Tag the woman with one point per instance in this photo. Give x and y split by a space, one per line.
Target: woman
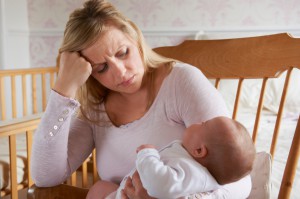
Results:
128 96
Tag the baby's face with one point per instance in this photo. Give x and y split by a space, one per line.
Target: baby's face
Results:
195 135
200 133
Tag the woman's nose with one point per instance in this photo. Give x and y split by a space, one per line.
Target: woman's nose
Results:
119 68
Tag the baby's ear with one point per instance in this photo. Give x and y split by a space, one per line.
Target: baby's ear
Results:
200 152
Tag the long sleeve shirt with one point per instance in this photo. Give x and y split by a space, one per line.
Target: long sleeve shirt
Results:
62 142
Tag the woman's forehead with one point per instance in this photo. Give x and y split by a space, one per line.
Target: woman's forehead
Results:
109 42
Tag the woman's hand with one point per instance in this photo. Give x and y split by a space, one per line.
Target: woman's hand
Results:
134 189
74 70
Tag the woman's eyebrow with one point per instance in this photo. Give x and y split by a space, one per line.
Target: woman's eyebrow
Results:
90 61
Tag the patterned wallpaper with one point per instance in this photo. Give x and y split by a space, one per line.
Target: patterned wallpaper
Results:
164 22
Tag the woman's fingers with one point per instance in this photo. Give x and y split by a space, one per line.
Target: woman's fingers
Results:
134 188
123 195
74 70
129 189
136 181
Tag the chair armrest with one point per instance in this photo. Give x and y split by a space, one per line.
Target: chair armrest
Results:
58 192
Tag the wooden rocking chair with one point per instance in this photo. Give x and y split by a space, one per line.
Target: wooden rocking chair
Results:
262 57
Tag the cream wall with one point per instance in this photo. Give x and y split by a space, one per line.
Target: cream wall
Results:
164 22
15 34
1 33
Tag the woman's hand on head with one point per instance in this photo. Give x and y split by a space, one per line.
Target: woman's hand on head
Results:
134 188
73 72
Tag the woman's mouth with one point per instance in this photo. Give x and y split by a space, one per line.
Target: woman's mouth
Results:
127 82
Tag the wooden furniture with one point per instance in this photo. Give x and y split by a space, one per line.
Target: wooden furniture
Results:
265 58
62 191
23 98
21 89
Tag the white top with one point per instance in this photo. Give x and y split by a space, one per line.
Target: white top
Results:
171 173
61 145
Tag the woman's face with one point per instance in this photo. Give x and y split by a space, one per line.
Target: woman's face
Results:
116 61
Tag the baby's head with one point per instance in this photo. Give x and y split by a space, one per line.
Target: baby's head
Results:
223 146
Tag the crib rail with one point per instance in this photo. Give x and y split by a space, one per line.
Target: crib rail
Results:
23 98
21 90
11 129
27 125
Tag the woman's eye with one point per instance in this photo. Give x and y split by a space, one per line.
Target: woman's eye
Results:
123 53
102 68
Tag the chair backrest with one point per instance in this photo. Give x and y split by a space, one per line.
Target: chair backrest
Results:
262 57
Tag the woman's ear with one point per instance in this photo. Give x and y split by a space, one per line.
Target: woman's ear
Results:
200 152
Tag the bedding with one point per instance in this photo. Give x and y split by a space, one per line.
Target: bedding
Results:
246 114
251 91
263 143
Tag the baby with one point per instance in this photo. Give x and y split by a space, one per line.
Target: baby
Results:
213 153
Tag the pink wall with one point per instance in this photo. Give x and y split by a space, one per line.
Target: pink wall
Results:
164 22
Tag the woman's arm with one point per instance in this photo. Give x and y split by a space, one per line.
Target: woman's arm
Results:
197 100
59 147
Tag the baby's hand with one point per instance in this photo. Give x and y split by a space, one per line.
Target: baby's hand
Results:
144 146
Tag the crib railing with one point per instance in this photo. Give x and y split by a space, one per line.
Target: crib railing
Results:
24 91
23 98
10 129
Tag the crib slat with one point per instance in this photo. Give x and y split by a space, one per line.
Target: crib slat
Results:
29 147
237 98
259 108
44 92
291 166
13 166
280 112
2 99
34 106
84 174
24 95
13 96
51 80
95 173
73 179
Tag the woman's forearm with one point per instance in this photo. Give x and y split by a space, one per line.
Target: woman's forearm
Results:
49 164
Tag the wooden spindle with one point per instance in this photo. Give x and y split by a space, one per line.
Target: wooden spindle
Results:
237 98
280 112
259 109
24 95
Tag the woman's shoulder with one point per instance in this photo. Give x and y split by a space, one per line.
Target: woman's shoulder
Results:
180 66
184 70
183 73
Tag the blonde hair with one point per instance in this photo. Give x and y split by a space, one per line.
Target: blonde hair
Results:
83 28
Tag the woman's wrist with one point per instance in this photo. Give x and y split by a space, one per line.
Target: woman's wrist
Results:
64 91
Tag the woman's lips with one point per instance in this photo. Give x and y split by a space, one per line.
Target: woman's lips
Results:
127 82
